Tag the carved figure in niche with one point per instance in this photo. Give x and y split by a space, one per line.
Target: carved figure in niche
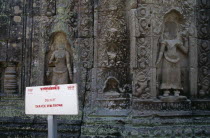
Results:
112 86
171 42
60 58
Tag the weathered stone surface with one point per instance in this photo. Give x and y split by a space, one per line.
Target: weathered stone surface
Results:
114 47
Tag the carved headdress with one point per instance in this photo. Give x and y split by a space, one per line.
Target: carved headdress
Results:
60 38
172 24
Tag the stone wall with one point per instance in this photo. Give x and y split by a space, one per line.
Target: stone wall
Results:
142 66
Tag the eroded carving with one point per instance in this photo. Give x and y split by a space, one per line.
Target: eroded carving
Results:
61 60
142 90
10 79
172 42
112 86
65 19
142 85
203 61
112 45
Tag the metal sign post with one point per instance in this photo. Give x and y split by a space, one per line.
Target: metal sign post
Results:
52 126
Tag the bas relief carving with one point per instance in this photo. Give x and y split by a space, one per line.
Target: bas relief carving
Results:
61 60
172 44
112 86
142 90
112 83
64 19
10 79
203 48
142 59
160 63
160 39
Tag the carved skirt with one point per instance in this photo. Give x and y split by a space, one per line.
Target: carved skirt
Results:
60 78
171 75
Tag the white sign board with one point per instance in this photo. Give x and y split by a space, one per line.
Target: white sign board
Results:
52 100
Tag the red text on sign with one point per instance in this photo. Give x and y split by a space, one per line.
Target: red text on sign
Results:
30 90
50 100
70 87
50 88
48 105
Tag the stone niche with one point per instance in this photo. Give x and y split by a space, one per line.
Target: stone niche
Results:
59 60
173 59
164 57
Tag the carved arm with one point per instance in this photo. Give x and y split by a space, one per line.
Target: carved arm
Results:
184 48
52 58
68 65
162 48
50 61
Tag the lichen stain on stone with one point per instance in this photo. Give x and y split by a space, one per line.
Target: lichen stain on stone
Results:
14 45
27 32
17 19
17 9
34 5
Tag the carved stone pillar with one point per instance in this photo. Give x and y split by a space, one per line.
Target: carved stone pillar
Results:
111 84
